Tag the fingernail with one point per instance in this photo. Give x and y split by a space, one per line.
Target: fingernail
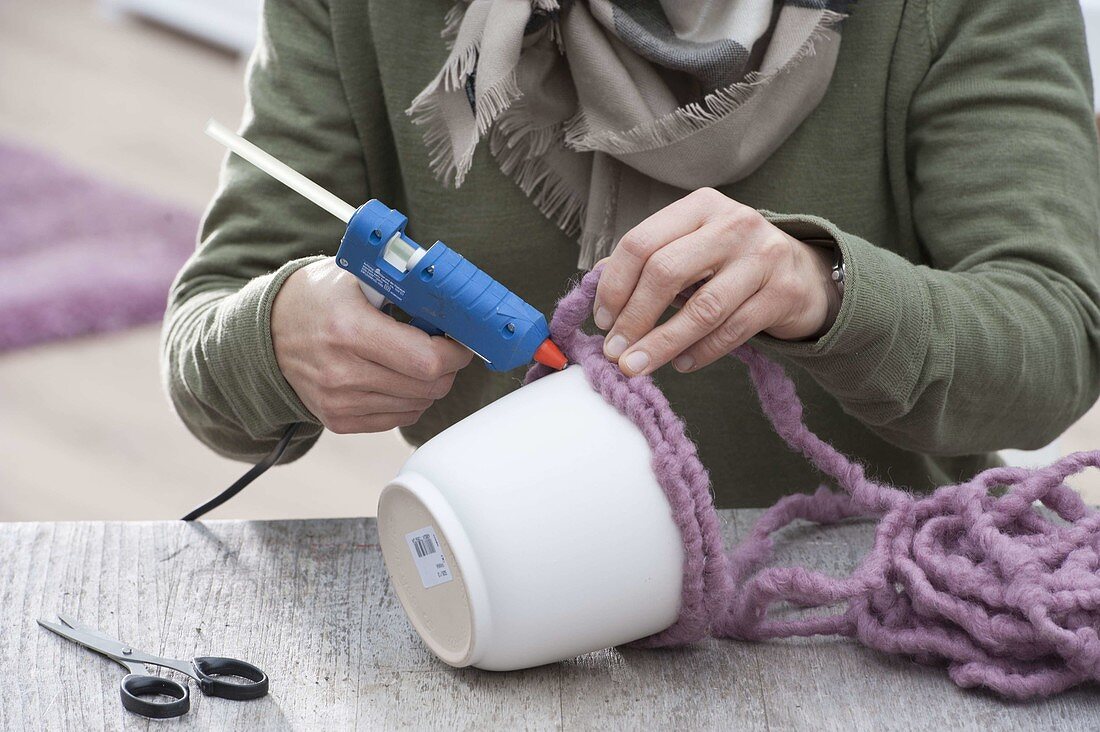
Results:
603 318
683 363
636 361
615 346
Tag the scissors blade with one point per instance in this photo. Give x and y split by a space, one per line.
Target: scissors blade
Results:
90 639
125 653
66 631
72 623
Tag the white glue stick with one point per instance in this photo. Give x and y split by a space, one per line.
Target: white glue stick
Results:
280 171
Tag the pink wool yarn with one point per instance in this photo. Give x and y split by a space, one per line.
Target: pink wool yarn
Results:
1007 597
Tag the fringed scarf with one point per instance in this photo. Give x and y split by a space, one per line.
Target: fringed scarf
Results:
604 111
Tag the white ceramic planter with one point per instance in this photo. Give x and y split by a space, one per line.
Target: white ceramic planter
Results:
544 530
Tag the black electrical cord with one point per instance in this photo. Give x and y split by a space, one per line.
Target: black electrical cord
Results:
255 472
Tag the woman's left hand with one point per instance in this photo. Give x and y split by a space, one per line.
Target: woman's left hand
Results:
755 278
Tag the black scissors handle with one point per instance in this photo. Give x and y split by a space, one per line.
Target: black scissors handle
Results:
209 671
139 691
136 690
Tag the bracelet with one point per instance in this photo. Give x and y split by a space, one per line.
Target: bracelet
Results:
837 275
838 272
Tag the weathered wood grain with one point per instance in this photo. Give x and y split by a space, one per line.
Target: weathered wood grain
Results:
309 602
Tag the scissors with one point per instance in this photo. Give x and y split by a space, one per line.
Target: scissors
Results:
138 684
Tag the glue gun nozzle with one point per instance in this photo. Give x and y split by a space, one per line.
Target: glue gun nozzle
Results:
550 355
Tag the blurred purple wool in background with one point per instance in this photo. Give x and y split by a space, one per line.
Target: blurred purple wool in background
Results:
79 255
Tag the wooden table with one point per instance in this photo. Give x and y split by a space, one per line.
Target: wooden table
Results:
309 601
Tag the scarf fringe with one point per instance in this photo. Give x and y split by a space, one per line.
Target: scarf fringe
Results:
691 118
594 247
445 167
426 111
492 102
520 133
596 240
518 147
553 29
453 75
452 21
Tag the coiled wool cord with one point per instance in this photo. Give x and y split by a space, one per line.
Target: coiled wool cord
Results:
1006 597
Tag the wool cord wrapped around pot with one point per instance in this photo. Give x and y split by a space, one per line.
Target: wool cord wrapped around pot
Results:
1002 593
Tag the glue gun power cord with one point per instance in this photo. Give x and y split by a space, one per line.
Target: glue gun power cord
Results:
254 472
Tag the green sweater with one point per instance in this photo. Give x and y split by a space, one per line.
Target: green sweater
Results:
954 159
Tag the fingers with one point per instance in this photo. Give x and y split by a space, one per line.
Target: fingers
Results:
377 338
755 315
352 378
689 259
353 396
443 357
709 309
624 267
749 276
359 404
401 385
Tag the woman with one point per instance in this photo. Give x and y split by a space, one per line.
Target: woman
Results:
938 157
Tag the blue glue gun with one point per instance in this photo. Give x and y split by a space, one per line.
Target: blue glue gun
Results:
443 293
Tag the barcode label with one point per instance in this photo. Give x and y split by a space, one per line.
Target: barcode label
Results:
424 545
428 557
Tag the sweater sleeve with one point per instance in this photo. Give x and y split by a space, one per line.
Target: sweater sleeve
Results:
218 363
994 341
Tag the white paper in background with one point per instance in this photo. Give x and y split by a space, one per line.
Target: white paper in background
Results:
428 557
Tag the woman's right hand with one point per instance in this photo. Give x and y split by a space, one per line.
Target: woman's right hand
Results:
354 367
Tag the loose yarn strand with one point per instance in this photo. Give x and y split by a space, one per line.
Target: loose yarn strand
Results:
1002 594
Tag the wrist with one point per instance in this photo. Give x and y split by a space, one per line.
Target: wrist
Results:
282 325
253 368
830 275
